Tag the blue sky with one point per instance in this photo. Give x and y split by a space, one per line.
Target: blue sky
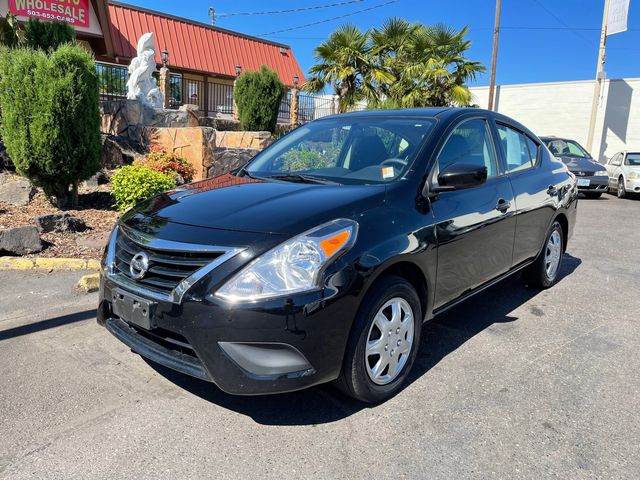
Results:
535 43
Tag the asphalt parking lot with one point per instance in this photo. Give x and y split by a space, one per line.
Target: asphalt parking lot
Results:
516 383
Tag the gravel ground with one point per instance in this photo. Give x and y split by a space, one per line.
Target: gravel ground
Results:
516 383
95 208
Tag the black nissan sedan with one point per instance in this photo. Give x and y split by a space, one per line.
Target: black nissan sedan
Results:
320 260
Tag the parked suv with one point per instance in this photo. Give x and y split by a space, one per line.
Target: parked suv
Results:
591 176
624 173
320 260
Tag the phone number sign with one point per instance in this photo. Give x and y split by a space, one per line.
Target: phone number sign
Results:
73 12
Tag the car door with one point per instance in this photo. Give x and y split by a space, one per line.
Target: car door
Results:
533 188
614 167
475 227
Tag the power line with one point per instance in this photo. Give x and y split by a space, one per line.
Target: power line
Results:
291 10
380 5
560 20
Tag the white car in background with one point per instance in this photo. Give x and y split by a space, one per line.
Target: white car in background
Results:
624 173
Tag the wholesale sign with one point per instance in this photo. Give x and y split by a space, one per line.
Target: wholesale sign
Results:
73 12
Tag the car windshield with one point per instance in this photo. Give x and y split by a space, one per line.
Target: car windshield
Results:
566 148
347 150
633 159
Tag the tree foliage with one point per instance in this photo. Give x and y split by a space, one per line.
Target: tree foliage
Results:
400 64
258 96
47 36
49 117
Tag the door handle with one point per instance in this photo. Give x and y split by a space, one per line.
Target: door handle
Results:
553 191
503 205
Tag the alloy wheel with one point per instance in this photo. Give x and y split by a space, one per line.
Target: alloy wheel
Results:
621 190
389 341
553 253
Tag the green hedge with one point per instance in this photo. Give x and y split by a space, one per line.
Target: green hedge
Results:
47 36
258 96
135 183
49 117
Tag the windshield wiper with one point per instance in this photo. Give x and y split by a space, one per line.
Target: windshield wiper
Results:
299 178
245 173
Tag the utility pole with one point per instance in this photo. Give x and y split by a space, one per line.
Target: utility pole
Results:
599 77
494 54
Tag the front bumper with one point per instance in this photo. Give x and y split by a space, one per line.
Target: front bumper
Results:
632 186
245 349
594 184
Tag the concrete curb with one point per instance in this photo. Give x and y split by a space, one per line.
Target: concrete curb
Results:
38 263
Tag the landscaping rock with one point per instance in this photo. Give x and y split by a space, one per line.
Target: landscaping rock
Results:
17 192
118 151
20 240
98 179
61 223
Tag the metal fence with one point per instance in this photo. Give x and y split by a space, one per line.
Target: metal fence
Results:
210 97
284 111
311 107
112 81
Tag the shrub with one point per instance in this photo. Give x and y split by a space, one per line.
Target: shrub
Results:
169 163
49 117
47 36
135 183
258 96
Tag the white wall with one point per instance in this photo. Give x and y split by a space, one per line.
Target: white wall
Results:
563 109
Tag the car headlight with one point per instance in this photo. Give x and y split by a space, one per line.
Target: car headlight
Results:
602 173
633 175
293 266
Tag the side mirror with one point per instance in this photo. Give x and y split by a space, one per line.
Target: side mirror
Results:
460 176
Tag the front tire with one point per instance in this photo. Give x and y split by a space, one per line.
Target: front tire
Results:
544 272
622 191
383 343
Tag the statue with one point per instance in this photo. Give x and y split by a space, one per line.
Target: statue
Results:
141 84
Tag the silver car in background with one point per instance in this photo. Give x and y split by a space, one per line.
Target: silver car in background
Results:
592 177
624 173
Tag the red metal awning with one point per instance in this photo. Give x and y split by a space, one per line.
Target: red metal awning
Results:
198 47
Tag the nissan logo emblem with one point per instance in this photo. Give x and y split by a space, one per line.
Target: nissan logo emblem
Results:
139 265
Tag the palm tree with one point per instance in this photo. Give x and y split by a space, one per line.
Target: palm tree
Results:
345 62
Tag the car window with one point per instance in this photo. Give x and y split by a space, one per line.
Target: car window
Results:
633 159
616 160
347 150
519 150
566 148
470 144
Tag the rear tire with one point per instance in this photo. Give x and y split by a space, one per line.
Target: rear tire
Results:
393 304
622 191
544 272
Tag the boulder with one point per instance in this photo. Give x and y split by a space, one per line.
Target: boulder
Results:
99 178
17 192
61 223
118 150
20 241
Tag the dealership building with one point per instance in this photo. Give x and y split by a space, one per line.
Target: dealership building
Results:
203 60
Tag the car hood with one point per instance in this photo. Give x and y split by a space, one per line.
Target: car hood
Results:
253 205
576 164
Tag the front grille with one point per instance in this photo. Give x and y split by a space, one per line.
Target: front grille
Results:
584 174
166 268
167 339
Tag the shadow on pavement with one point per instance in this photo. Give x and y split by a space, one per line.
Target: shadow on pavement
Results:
46 324
440 337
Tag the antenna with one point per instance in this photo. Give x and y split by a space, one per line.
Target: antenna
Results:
212 14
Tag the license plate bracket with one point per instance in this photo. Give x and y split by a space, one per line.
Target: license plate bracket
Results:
584 182
134 309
